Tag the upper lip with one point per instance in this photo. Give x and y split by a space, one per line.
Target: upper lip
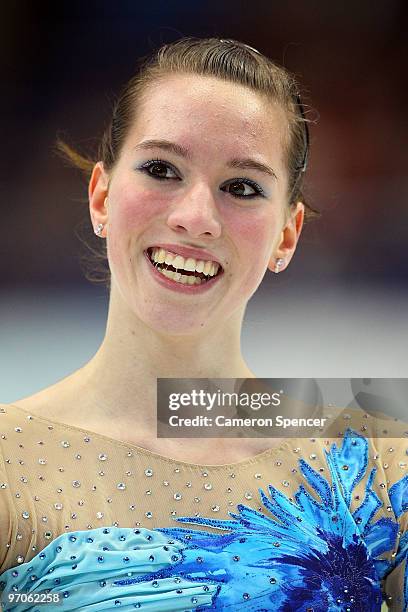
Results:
185 251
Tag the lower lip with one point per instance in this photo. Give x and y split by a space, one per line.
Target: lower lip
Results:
180 287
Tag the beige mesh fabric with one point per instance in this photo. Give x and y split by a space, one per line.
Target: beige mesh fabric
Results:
56 478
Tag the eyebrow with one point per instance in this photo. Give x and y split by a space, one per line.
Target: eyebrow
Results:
244 164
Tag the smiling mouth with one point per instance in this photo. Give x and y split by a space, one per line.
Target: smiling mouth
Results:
186 277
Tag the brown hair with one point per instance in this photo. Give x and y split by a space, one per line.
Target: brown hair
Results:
229 60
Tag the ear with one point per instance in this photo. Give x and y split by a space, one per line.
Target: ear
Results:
97 193
290 233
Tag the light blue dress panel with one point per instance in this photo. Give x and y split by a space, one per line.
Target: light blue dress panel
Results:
311 553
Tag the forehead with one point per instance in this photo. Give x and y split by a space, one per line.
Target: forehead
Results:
201 109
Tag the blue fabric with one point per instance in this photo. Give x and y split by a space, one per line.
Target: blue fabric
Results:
310 553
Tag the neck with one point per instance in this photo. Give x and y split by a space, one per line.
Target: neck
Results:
119 382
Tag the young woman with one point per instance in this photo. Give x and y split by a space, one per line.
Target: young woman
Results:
197 194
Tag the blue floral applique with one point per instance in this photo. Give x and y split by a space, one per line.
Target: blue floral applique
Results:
312 554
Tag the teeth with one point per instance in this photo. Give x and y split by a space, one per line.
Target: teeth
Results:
182 278
160 255
209 268
189 264
168 259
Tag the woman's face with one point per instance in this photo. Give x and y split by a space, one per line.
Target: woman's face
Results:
198 203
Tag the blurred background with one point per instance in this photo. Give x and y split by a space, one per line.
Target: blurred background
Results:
340 309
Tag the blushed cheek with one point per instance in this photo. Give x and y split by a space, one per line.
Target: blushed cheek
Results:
253 235
132 219
137 211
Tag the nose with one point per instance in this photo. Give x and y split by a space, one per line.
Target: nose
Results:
196 212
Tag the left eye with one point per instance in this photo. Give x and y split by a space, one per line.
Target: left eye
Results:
155 163
162 168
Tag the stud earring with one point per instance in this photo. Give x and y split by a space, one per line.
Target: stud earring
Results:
278 264
98 229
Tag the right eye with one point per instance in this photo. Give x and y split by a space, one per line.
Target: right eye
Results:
156 165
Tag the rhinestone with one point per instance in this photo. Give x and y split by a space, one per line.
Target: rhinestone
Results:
148 514
235 558
25 515
87 439
19 559
42 461
132 507
58 506
296 450
229 490
345 467
272 580
215 508
312 456
47 535
76 483
102 457
18 429
390 450
205 474
121 486
188 484
257 475
197 499
166 483
246 596
65 444
99 515
208 486
148 492
248 495
232 475
148 472
177 496
81 502
285 483
176 470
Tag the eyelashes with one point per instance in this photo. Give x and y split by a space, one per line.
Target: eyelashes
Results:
156 163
